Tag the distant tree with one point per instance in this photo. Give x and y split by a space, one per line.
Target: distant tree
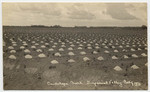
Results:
144 27
80 26
56 26
37 26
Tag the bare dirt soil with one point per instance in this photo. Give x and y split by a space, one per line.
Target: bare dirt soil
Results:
113 71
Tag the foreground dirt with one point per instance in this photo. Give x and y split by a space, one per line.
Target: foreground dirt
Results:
39 73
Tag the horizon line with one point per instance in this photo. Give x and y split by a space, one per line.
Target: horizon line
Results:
69 26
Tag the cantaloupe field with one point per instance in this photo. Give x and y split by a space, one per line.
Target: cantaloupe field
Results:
74 58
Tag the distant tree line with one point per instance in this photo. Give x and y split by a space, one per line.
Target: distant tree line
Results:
38 26
55 26
80 26
58 26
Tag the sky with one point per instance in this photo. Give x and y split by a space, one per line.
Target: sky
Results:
74 14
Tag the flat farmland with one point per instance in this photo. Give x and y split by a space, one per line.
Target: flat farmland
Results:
75 58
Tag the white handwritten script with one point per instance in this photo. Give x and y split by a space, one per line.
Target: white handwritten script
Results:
110 82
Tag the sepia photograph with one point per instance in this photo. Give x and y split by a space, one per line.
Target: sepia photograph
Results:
75 46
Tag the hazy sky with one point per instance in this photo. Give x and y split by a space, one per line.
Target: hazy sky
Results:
71 14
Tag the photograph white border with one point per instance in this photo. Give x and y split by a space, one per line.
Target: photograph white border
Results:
74 1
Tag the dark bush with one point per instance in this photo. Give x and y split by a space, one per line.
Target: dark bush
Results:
144 27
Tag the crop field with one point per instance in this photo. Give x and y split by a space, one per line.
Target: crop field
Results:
74 58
